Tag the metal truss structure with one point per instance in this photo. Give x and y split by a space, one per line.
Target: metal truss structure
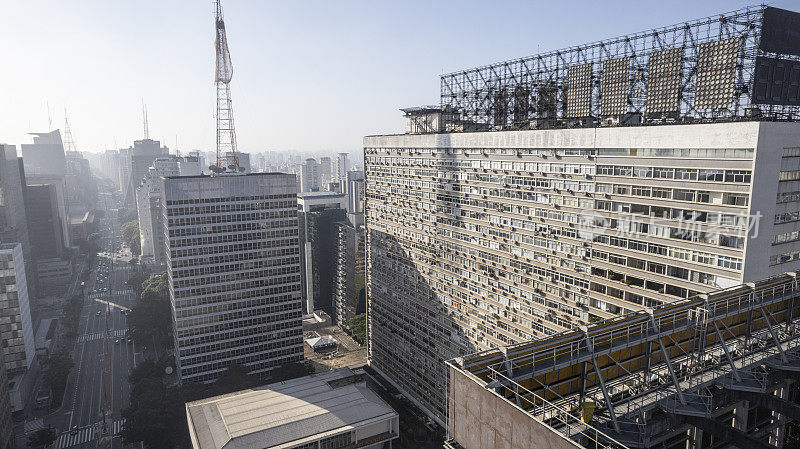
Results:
699 71
653 372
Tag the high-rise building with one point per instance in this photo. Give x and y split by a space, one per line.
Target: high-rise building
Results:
47 237
13 214
310 176
16 332
560 216
233 260
349 295
45 156
243 158
140 158
6 422
318 213
342 165
148 206
325 170
354 189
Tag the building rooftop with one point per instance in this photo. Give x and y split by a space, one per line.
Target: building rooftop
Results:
314 195
285 413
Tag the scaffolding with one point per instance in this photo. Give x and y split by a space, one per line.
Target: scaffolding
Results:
713 69
641 379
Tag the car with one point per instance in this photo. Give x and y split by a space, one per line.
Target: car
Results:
74 430
98 313
116 342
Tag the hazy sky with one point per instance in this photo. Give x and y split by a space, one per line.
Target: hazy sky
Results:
308 75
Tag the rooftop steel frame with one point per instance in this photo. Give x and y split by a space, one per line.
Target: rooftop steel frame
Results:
671 359
532 92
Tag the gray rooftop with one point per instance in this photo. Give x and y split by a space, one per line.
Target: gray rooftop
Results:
285 412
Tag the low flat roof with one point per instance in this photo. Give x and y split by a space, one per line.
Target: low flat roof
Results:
285 412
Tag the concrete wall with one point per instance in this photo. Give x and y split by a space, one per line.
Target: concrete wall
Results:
773 138
479 419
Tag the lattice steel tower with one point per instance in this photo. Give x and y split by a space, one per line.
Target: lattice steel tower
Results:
69 142
226 134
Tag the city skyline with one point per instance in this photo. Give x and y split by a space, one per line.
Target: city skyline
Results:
279 91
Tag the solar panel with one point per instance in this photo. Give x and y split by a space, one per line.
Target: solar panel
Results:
579 90
615 86
663 80
716 74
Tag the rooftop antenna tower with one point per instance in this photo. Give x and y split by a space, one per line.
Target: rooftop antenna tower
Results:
69 142
144 121
49 118
227 160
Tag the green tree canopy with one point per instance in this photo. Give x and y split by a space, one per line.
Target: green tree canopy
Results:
42 437
56 371
358 328
130 236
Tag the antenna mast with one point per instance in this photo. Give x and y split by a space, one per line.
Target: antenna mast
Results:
226 133
144 121
69 142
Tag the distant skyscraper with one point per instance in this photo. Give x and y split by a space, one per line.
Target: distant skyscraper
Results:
325 170
13 213
148 205
244 161
45 156
45 230
342 165
354 189
234 270
310 176
140 159
16 332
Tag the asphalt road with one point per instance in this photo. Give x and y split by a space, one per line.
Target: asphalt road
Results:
98 388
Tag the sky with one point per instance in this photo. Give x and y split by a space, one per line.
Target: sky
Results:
312 76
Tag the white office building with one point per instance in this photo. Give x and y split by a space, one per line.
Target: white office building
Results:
310 176
342 165
233 260
148 205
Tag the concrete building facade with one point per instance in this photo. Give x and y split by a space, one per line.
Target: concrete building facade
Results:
148 206
310 176
342 166
16 330
234 272
325 170
482 239
349 296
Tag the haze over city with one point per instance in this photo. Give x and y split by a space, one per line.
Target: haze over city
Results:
239 224
311 76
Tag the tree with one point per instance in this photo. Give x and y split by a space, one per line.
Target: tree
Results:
358 328
57 369
130 236
151 320
156 287
126 215
42 437
236 377
136 280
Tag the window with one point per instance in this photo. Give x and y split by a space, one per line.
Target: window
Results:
683 195
741 176
729 262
